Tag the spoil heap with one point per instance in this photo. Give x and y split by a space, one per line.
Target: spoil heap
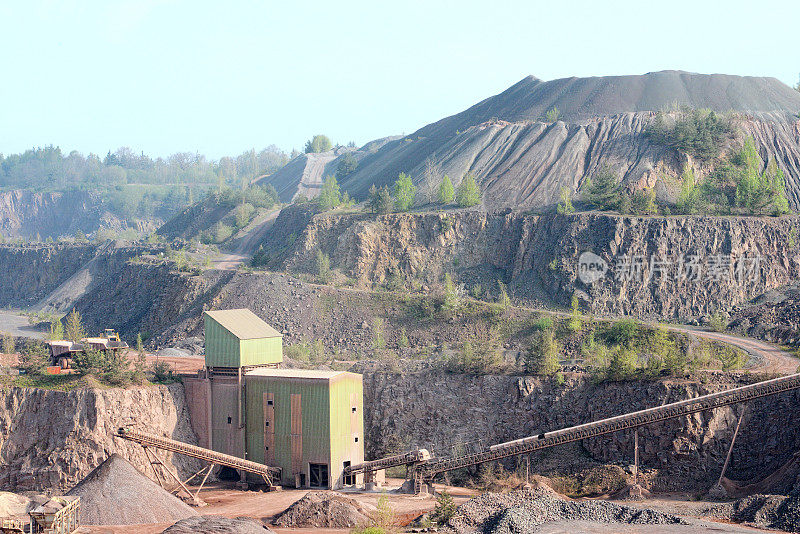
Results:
765 511
217 525
526 510
323 509
13 505
116 493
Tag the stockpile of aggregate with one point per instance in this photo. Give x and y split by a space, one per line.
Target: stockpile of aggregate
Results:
765 511
116 493
526 510
323 509
211 524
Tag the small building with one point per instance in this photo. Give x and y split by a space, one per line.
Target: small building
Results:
238 339
309 423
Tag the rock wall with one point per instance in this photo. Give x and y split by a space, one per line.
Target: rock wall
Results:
438 411
50 440
27 214
538 256
30 272
148 298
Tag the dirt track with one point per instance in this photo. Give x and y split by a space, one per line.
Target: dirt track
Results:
246 246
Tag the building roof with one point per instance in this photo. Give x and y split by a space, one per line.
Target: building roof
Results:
243 324
310 374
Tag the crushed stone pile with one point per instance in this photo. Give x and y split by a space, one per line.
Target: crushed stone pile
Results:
765 511
211 524
13 505
525 510
324 509
116 493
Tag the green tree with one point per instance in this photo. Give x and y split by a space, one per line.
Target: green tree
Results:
552 115
452 295
33 359
380 200
9 344
56 329
347 165
543 356
689 199
575 323
468 193
622 332
444 510
622 365
323 267
73 329
329 196
565 207
643 202
602 191
503 300
446 191
404 192
318 143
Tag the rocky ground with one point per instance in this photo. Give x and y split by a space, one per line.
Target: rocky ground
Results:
324 509
526 510
773 316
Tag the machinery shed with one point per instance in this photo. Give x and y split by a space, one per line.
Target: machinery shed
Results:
309 423
239 338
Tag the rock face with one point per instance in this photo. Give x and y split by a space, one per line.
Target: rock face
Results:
53 214
522 161
28 273
115 493
664 267
146 298
50 440
438 411
772 316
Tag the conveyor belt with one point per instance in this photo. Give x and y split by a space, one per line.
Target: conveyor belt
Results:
151 440
407 458
426 471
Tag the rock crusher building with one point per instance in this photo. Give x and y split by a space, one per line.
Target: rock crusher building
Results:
308 423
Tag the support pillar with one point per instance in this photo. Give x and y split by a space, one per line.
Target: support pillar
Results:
718 490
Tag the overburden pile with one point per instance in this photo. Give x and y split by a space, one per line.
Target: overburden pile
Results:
116 493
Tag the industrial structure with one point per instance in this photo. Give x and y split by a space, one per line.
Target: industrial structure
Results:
309 424
424 469
56 515
305 428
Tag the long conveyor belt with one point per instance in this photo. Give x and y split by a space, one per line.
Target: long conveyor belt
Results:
427 470
406 458
151 440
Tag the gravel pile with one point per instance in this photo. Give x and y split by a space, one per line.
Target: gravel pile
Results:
770 511
13 505
116 493
211 524
323 509
523 511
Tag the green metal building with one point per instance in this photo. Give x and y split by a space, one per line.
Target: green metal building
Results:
309 423
239 338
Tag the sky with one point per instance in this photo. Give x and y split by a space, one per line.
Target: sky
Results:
218 78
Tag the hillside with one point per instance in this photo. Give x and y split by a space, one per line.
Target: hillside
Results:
522 161
27 214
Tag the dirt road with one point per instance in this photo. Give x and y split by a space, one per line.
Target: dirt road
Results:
14 323
245 246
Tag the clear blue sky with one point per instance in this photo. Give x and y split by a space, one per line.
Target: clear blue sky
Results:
221 77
